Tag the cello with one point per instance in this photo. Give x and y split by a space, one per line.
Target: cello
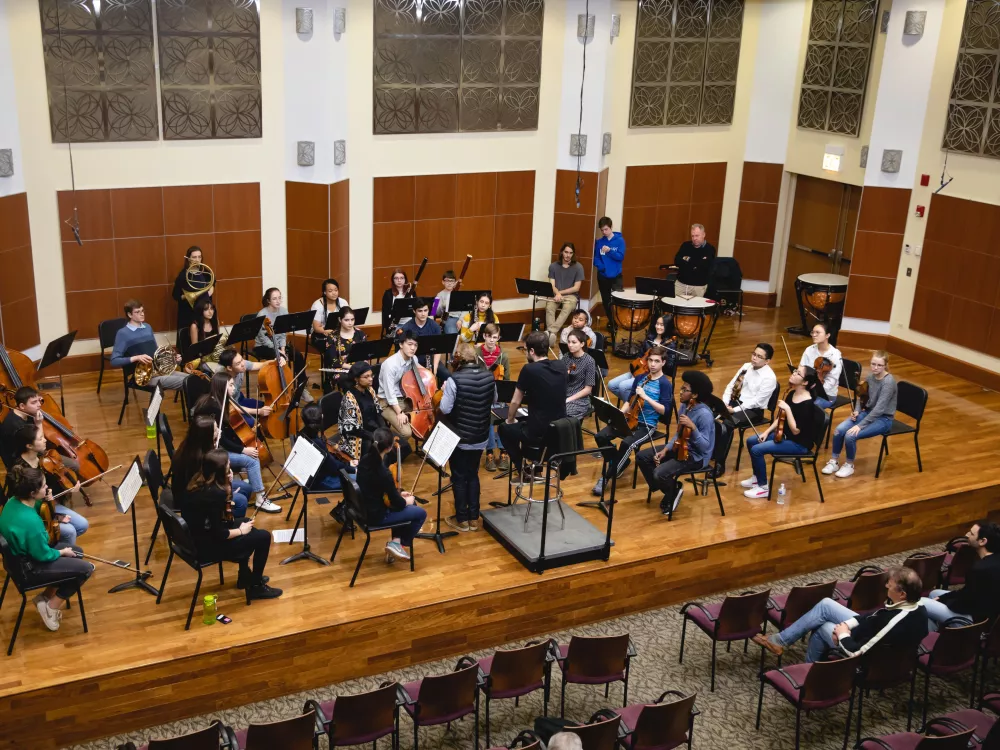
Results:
276 392
247 434
419 385
16 370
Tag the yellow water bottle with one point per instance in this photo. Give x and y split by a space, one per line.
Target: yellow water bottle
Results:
208 613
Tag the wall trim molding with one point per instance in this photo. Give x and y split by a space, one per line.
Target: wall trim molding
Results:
944 363
862 339
760 299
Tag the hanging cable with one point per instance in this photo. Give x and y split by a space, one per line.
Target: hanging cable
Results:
74 221
583 78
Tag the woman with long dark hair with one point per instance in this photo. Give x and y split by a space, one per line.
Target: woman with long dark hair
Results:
471 322
359 414
397 290
327 477
30 444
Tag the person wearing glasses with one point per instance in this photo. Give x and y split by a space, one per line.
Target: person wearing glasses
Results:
748 392
871 417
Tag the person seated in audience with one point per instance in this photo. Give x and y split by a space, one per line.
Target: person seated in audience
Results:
660 468
385 502
620 385
327 477
900 625
979 598
757 382
565 741
799 430
579 321
23 529
872 417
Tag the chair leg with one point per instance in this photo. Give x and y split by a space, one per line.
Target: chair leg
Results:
798 726
361 558
166 572
100 375
760 700
861 701
6 582
121 414
714 643
194 600
83 615
718 496
562 698
850 713
336 547
927 690
739 451
770 483
916 445
684 625
881 451
17 625
488 721
222 577
152 540
819 485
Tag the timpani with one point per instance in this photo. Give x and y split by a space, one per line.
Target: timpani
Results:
689 324
631 313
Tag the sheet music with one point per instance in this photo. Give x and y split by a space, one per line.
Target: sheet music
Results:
284 536
129 488
303 462
154 406
440 445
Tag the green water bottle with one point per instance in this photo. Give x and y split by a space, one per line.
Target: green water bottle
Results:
151 431
208 613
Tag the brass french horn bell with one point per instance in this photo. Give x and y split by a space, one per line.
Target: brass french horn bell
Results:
196 282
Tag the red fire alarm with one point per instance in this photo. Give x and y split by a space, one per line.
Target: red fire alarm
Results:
925 180
920 212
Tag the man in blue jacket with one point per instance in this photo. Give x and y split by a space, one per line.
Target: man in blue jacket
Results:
609 252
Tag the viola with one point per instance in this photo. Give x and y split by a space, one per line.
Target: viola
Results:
51 463
248 435
681 449
734 398
47 510
419 386
779 429
276 391
634 409
639 366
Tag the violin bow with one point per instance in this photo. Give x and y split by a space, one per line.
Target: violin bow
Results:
88 481
120 564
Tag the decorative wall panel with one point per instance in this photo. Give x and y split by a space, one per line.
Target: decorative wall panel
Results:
209 68
757 218
446 66
974 107
687 55
838 57
317 227
99 70
18 307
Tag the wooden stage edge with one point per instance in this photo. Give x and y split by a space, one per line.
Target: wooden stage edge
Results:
154 693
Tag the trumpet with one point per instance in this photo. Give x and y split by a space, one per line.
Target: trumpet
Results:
199 278
164 363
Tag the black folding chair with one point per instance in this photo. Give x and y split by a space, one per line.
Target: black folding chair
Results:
106 332
911 400
808 458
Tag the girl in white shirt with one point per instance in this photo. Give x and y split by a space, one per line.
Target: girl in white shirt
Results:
821 347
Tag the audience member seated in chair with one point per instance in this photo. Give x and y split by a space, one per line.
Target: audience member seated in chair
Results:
386 503
26 535
979 599
662 467
799 430
206 509
327 477
565 741
901 624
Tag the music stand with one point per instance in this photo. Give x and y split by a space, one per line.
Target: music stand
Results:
368 350
56 350
245 330
401 308
462 301
508 332
428 346
124 496
536 289
292 322
333 319
200 349
656 287
613 417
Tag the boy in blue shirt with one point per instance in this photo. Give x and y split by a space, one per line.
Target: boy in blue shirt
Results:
609 252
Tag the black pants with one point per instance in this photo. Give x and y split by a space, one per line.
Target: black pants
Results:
465 483
257 542
664 476
606 286
514 437
628 443
74 568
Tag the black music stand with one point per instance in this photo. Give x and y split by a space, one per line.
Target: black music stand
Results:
56 350
245 330
656 287
614 417
139 582
333 319
292 322
465 301
369 350
536 289
401 308
505 393
200 349
428 346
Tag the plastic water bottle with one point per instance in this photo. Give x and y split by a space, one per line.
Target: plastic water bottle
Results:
781 494
151 431
209 610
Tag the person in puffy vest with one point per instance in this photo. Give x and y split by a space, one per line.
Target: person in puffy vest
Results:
468 396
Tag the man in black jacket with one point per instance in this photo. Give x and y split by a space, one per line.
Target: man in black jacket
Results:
901 624
979 599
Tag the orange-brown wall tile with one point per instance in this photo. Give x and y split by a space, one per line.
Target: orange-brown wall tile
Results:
134 242
318 234
661 203
18 311
444 217
757 218
878 243
579 225
957 297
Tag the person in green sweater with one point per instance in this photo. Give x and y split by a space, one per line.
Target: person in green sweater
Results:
24 530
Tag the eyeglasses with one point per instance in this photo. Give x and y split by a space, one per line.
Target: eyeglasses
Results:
685 389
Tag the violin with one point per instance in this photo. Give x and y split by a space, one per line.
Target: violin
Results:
634 409
47 510
779 429
861 394
276 390
419 386
639 367
681 449
823 367
51 463
734 398
247 434
17 370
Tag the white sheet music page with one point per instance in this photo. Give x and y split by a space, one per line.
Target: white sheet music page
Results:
129 488
303 462
440 445
154 406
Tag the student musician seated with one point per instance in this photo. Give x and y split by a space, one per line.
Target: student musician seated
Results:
565 276
327 477
399 289
470 324
360 414
330 302
872 417
30 441
135 344
497 362
263 345
419 325
390 395
217 536
748 392
27 410
821 347
652 395
621 385
901 625
696 421
797 413
579 321
581 371
205 325
449 320
203 435
341 342
26 535
385 502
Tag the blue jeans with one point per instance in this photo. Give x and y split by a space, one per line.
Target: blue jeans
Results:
820 621
241 497
77 526
880 426
493 441
328 483
621 385
823 402
939 613
413 514
758 450
239 462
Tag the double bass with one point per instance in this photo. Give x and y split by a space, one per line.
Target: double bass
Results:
276 390
419 385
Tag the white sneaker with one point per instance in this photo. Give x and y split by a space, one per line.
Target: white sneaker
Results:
267 506
749 483
757 492
845 471
831 466
49 616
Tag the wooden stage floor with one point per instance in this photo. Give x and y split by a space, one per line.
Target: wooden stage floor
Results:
138 667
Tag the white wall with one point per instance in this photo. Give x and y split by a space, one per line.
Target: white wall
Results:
10 136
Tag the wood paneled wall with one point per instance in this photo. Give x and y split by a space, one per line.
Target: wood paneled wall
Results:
317 227
18 311
579 224
757 218
877 246
134 242
445 216
958 285
661 204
